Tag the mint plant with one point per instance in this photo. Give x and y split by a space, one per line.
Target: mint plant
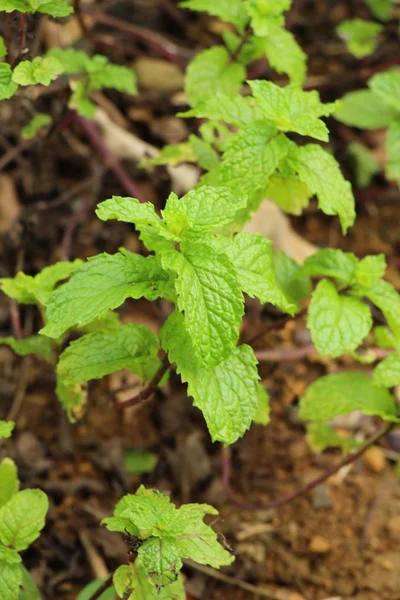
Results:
361 36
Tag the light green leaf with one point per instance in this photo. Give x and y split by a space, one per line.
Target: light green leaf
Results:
387 299
364 163
387 373
172 155
297 287
212 72
382 9
227 394
386 85
40 70
35 344
109 321
392 167
87 593
338 324
266 14
129 210
341 393
103 74
385 338
235 110
321 436
7 85
321 173
39 121
80 100
72 61
251 255
29 589
361 36
102 283
6 429
139 462
291 194
23 518
331 263
3 49
364 109
95 355
9 479
292 109
72 397
209 296
263 409
54 8
10 574
370 270
135 579
230 11
284 53
207 157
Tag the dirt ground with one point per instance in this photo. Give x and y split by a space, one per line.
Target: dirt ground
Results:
341 541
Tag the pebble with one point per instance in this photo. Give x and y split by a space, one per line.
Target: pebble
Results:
319 545
375 459
322 497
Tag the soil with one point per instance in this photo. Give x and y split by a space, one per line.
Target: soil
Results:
341 540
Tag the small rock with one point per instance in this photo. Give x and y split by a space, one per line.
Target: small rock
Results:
319 545
159 75
322 497
375 459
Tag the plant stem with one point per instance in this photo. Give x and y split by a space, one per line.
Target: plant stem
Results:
150 389
275 326
86 31
347 460
21 35
246 35
8 35
104 586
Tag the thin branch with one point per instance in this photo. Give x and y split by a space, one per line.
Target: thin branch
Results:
8 35
351 458
104 586
236 53
21 35
15 151
20 392
86 31
280 324
149 390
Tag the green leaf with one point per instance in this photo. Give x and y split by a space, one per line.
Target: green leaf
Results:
9 480
103 74
236 110
139 462
23 518
95 355
72 397
321 173
364 163
93 586
40 70
227 394
3 49
7 85
29 589
292 109
212 72
364 109
263 409
361 36
321 436
6 429
10 574
72 61
291 194
385 338
331 263
341 393
338 324
39 121
392 167
387 373
297 287
370 270
209 296
35 344
381 9
230 11
387 299
284 53
206 156
386 85
33 290
251 255
102 283
132 578
266 14
80 100
172 155
54 8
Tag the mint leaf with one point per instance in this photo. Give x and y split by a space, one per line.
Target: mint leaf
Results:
292 109
227 394
364 164
137 462
93 586
321 436
321 173
386 85
235 110
338 324
263 409
296 286
209 296
265 15
284 53
72 61
35 344
385 338
10 573
29 589
361 36
98 354
230 11
331 263
103 74
392 167
135 579
9 479
172 155
40 70
73 397
102 283
212 72
39 121
364 109
251 255
381 9
3 49
23 518
6 429
342 393
206 156
370 270
291 194
7 85
387 299
387 373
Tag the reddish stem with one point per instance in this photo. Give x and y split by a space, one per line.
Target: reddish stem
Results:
104 586
21 35
149 390
8 35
